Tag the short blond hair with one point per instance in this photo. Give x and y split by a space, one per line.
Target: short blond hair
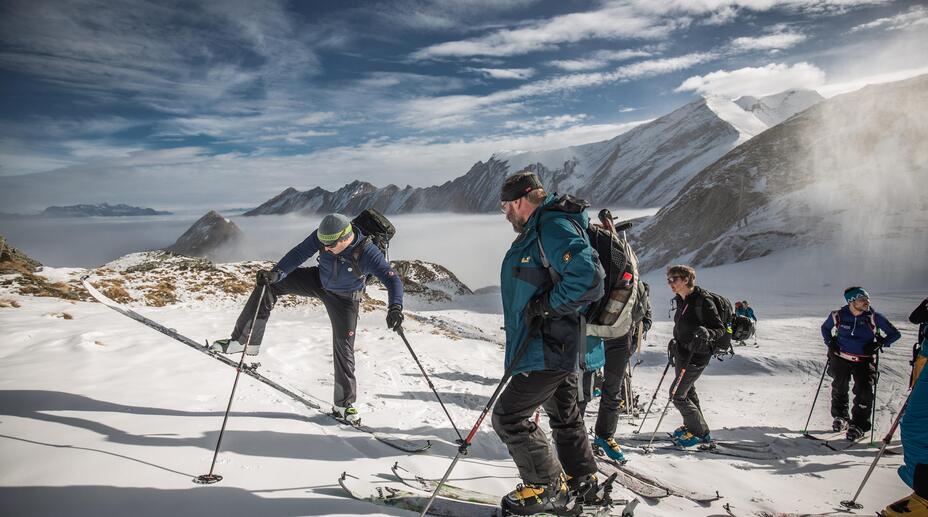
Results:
685 272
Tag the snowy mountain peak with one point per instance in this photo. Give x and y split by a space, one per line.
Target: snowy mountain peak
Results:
206 236
774 109
745 122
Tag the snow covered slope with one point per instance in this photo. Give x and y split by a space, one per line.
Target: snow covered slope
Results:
848 173
102 416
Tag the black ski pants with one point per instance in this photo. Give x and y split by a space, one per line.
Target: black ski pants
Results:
513 421
686 400
612 392
864 375
343 314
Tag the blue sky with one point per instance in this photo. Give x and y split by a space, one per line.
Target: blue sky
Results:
239 99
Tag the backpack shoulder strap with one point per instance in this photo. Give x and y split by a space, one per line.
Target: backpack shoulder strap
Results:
555 277
356 255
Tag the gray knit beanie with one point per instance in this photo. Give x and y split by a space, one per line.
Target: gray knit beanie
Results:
333 228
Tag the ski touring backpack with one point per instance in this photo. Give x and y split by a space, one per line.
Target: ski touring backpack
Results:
722 346
377 230
611 315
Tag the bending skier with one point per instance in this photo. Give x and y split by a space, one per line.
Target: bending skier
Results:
850 333
546 316
345 257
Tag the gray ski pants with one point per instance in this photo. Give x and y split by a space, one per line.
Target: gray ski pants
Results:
513 421
343 314
687 401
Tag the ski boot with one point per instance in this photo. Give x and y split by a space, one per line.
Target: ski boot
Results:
610 448
529 498
678 432
583 488
689 439
911 506
854 433
231 346
347 413
839 424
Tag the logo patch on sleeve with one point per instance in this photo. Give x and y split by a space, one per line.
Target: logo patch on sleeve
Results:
526 260
567 257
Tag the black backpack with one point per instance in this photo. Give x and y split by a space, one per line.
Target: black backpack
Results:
721 346
377 230
742 328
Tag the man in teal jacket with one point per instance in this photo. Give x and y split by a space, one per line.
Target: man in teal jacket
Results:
543 305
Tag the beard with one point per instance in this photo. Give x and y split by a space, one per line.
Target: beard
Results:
517 223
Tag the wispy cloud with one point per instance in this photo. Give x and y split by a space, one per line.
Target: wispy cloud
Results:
613 22
770 79
459 109
506 73
777 41
916 16
598 59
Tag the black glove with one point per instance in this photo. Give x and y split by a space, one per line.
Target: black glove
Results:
872 347
646 325
265 277
395 316
701 333
833 348
537 307
671 350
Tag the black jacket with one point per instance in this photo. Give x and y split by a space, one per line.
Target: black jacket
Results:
692 312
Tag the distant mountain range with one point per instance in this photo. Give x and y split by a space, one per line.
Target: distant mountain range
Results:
645 167
101 210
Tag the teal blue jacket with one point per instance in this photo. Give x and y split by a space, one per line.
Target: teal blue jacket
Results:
562 340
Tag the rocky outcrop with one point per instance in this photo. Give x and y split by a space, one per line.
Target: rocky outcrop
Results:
207 236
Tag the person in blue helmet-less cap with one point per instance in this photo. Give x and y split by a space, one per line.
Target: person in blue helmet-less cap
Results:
346 257
852 335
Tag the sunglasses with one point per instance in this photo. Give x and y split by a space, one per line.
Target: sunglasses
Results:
672 279
334 244
504 205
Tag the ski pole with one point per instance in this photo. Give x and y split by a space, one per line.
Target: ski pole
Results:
470 436
873 405
656 391
638 344
886 439
673 392
208 479
820 381
399 330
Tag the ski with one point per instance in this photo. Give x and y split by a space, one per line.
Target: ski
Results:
843 444
740 444
824 436
692 495
413 480
636 485
252 371
733 449
763 513
448 505
385 495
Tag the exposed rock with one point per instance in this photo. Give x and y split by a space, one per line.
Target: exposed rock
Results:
428 280
204 239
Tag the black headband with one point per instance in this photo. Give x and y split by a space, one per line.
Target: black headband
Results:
519 185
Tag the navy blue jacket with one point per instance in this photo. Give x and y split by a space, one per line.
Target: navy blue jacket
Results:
855 332
336 272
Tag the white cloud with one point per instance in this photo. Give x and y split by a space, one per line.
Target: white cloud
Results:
778 41
434 112
613 22
314 118
544 123
506 73
767 80
916 16
599 59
